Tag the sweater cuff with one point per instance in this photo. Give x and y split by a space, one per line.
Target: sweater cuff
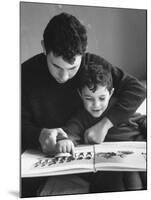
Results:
74 138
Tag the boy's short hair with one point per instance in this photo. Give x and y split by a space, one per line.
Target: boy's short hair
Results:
95 74
65 36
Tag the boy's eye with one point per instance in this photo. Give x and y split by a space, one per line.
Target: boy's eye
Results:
102 99
88 99
56 66
72 69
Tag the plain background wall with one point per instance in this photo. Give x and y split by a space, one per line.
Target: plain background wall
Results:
119 35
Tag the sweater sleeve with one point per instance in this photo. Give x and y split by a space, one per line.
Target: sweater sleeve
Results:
76 126
130 94
29 131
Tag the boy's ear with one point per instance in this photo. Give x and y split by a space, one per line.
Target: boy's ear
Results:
43 47
112 91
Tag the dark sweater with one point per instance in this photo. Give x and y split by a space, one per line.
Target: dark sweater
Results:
133 129
48 104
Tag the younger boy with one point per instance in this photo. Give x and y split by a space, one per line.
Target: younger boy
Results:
96 90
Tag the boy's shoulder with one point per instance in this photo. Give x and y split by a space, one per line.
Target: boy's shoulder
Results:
34 71
34 67
33 62
97 59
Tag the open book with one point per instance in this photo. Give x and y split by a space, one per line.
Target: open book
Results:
112 156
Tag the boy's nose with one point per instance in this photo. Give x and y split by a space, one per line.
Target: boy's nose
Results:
96 104
64 76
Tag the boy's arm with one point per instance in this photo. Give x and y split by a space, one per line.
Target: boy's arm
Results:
33 136
129 92
76 126
97 133
29 131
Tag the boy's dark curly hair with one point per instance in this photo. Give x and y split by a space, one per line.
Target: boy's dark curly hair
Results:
94 74
65 36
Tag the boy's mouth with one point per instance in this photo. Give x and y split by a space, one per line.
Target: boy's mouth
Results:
96 110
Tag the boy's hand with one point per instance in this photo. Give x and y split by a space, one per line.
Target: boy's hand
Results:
48 139
96 134
65 146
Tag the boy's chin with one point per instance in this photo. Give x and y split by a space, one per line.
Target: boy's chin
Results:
96 115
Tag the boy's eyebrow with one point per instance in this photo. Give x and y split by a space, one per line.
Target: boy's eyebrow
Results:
61 67
56 65
87 95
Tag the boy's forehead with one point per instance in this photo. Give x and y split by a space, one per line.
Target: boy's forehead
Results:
100 90
60 62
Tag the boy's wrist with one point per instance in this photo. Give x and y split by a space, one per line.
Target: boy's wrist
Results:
107 123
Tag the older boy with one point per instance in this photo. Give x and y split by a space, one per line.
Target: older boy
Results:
49 88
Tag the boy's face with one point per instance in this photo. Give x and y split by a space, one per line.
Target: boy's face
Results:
96 102
61 70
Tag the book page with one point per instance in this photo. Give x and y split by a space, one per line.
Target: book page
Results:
34 163
124 156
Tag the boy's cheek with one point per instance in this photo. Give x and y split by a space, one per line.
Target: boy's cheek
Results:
86 106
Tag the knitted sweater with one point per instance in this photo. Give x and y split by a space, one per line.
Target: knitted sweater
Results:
48 104
133 129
